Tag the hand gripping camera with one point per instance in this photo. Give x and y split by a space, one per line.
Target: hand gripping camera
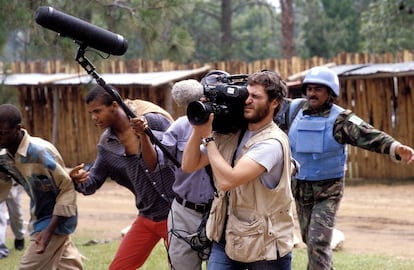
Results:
224 95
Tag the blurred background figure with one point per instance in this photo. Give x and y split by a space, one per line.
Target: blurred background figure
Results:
11 212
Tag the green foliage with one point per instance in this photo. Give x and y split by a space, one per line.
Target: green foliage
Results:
203 31
256 33
178 30
347 261
145 24
180 45
154 33
96 256
329 27
8 95
255 30
387 26
204 26
14 28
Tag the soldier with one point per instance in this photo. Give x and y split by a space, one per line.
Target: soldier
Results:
319 133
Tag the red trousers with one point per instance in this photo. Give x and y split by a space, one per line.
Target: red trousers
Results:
138 243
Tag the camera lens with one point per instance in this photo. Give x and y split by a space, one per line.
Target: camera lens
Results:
198 112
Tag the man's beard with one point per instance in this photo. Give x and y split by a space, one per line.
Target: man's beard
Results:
258 115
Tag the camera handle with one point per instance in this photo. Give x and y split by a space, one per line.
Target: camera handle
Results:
90 69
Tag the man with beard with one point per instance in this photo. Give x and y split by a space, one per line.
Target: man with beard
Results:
318 135
251 219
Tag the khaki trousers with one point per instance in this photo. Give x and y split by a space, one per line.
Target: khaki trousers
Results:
61 253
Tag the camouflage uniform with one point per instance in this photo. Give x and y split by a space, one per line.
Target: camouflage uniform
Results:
318 201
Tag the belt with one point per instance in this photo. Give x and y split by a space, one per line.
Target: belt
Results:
198 207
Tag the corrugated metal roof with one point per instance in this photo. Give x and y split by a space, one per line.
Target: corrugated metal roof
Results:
148 79
343 69
368 70
301 75
375 69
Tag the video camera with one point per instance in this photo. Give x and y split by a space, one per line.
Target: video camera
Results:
224 95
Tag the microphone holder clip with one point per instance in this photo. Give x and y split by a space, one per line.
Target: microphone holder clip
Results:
90 69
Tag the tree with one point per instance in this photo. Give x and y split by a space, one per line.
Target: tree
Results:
145 24
179 30
226 27
387 26
329 27
210 30
288 23
229 29
156 31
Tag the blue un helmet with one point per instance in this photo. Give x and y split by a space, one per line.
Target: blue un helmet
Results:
322 75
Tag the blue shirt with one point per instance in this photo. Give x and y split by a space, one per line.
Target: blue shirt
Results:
39 168
196 186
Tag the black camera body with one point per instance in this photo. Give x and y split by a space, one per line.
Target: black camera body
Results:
226 100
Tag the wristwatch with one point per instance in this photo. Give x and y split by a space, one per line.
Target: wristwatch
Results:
205 141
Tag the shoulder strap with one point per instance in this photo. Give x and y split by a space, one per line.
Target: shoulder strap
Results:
295 107
209 171
281 117
287 112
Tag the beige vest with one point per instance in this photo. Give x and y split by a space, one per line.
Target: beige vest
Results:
216 219
260 221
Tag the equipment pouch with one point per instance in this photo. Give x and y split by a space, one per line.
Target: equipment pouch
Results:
216 219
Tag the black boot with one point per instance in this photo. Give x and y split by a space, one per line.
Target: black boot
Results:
19 244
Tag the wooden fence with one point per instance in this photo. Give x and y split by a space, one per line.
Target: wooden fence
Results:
387 104
75 133
373 99
285 67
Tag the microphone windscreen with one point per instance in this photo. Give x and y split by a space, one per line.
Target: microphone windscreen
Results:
186 91
81 31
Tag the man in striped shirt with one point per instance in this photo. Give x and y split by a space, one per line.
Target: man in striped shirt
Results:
123 156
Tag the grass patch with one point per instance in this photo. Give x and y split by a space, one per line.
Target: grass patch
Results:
98 257
347 261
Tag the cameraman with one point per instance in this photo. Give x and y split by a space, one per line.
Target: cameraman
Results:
251 220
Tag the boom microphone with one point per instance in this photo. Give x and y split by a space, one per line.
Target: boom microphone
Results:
186 91
81 31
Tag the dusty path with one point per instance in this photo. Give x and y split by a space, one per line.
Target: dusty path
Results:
376 219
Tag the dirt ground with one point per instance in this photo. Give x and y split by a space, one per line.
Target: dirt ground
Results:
375 218
378 219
